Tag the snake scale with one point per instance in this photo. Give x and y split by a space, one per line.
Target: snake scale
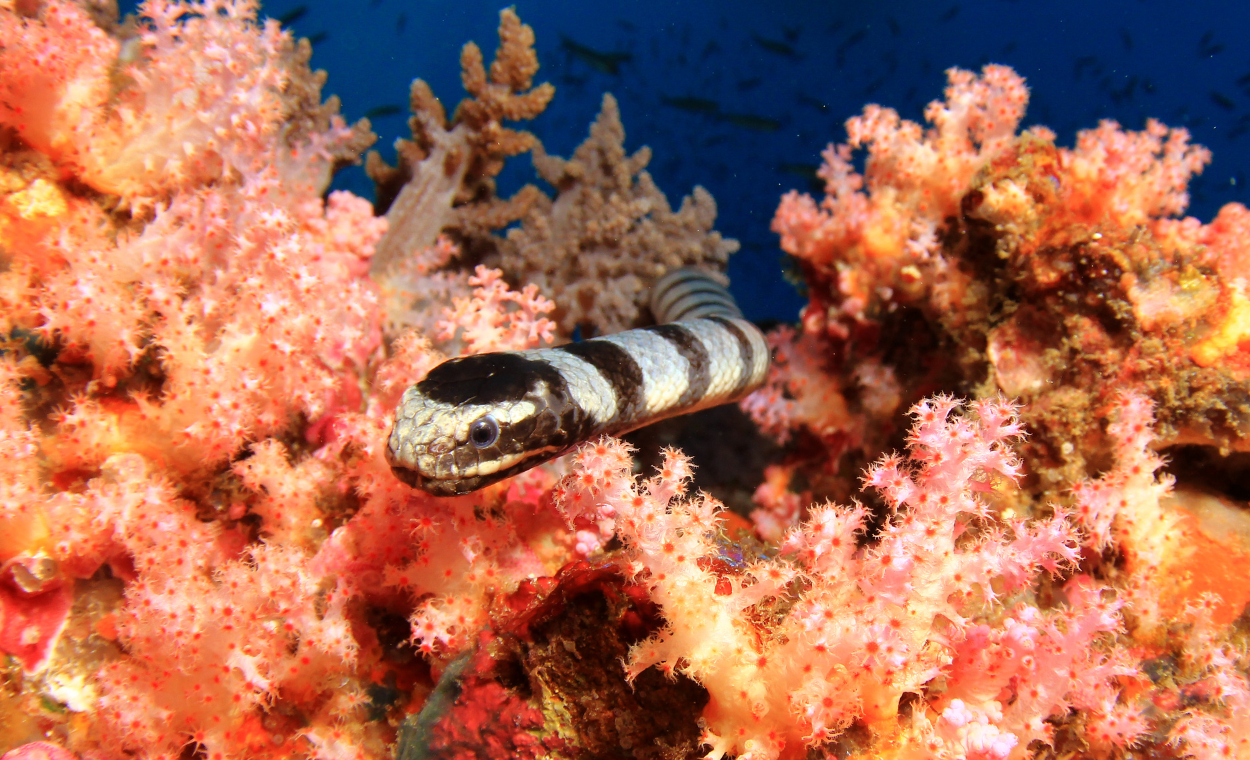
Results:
479 419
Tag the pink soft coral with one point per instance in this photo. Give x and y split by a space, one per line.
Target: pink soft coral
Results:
251 301
871 623
496 318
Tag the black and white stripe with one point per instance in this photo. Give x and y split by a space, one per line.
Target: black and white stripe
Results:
530 406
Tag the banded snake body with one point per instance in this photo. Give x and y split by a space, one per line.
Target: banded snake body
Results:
479 419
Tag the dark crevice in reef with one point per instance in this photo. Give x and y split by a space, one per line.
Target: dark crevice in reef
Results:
1205 468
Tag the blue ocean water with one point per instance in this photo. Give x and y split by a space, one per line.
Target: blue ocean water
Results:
779 79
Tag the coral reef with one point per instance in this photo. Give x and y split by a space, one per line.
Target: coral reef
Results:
204 553
594 248
1053 275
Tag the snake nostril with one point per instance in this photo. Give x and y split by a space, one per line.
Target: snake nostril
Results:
441 445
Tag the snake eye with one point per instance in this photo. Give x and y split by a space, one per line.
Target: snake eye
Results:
484 432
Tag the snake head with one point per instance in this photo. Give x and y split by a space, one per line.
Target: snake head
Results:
479 419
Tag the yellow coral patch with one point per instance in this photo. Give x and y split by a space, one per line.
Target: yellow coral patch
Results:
39 199
885 235
1232 331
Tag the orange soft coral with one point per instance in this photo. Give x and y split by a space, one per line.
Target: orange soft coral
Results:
148 134
871 230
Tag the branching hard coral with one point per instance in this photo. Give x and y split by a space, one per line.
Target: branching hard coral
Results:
450 163
610 232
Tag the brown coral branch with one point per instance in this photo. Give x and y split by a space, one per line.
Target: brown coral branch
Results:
453 165
610 232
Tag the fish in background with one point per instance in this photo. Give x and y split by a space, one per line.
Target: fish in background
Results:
389 109
777 46
1207 46
750 121
293 15
856 37
809 173
603 62
691 104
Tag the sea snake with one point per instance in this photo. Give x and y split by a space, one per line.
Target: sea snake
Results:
479 419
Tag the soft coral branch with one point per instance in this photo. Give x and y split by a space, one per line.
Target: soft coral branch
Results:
868 623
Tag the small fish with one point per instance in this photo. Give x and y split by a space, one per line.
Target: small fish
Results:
751 121
1081 64
1009 48
691 103
749 84
776 46
627 26
809 174
807 171
1223 101
710 48
1207 46
1119 95
808 100
604 63
293 15
400 23
318 38
390 109
950 14
895 29
1126 38
857 37
874 85
791 33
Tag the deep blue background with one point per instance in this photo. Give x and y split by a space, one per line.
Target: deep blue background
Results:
1084 61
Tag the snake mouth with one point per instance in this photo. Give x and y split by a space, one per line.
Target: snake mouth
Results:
438 486
460 483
